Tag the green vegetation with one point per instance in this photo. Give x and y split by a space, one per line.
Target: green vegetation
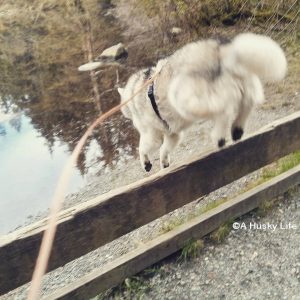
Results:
220 234
177 221
191 249
171 224
265 207
211 205
134 287
282 165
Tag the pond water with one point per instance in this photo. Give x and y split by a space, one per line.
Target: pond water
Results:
28 172
46 104
33 154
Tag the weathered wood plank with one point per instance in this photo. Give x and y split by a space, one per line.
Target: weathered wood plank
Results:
109 216
114 273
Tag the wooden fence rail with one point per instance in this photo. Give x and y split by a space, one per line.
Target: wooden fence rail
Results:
113 273
114 214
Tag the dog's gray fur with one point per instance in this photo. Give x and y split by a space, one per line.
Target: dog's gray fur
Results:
203 80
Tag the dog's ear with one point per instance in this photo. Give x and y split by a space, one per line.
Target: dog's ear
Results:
120 90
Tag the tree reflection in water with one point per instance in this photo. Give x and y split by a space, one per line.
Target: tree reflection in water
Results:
46 104
40 54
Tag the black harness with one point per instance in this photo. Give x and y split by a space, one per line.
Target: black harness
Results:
152 98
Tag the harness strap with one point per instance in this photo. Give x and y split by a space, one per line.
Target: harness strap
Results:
152 99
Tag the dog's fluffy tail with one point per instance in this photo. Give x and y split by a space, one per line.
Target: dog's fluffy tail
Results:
258 54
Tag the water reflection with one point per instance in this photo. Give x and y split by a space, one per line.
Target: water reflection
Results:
52 104
34 148
28 172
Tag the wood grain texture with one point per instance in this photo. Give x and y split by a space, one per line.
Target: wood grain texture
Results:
129 264
92 224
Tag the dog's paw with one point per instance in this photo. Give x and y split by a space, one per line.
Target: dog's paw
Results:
164 162
221 142
237 133
147 166
165 165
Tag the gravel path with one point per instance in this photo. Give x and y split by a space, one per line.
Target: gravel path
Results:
249 264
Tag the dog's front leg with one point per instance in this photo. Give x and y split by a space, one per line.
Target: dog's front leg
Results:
169 143
150 141
144 158
145 162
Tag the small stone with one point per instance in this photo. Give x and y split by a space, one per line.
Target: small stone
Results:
114 52
89 66
176 30
254 255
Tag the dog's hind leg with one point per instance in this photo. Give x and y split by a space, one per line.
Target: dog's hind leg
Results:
237 129
150 141
220 127
170 142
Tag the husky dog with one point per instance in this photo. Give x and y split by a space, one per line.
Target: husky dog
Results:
208 79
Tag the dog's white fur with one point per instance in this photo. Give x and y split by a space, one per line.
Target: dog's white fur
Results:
202 80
